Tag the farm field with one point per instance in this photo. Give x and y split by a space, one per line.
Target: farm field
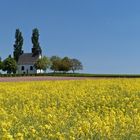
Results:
106 109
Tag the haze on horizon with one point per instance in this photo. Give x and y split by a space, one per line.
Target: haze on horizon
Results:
104 35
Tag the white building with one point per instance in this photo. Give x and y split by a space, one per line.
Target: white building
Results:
26 63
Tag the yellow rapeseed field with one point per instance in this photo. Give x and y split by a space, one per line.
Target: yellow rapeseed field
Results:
106 109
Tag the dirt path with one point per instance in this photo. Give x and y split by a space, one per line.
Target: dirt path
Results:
38 78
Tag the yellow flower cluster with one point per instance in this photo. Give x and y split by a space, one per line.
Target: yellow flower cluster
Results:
70 110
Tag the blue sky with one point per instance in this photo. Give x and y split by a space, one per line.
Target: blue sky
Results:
103 34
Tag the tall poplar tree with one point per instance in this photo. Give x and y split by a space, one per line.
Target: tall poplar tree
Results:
18 45
35 41
0 63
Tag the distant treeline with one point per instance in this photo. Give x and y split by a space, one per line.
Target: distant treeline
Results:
54 63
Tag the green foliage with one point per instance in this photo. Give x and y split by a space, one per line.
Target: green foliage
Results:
35 40
42 63
9 65
55 63
18 45
0 64
76 65
60 64
65 65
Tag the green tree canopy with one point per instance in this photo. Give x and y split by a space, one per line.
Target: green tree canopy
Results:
9 65
76 65
42 64
18 45
0 64
55 63
35 41
65 64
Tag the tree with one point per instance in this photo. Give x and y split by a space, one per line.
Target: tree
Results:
65 64
35 40
18 45
42 63
0 64
9 65
55 63
76 65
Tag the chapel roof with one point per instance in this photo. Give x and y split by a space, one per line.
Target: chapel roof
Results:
27 59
